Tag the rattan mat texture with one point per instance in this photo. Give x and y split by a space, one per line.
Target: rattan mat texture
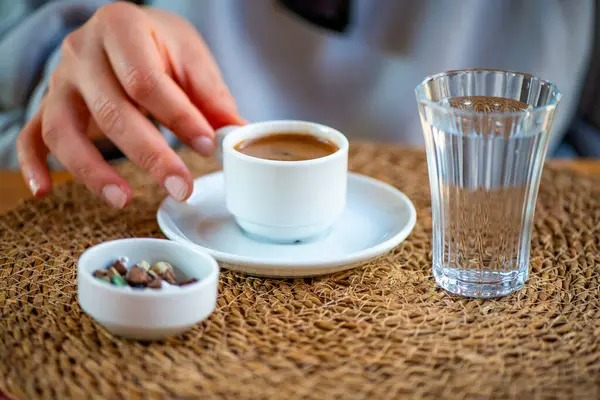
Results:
382 330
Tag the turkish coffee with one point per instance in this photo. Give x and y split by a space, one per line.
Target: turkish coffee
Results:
287 146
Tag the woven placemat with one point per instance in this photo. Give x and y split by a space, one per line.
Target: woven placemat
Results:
382 330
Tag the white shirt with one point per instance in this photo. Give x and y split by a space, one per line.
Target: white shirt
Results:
278 65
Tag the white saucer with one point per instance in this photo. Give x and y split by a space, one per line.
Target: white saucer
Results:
377 218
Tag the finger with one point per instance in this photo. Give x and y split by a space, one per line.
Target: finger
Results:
32 154
196 71
208 92
93 132
128 129
64 132
139 69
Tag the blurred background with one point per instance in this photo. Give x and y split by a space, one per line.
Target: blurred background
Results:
352 64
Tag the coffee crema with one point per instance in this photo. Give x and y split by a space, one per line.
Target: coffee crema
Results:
287 146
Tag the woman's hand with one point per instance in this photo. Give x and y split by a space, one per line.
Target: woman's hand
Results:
124 63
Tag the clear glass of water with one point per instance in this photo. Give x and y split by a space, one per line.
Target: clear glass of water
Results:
486 134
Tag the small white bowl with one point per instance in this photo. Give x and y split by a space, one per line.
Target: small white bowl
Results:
148 314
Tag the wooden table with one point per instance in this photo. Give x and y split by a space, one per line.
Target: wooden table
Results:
13 188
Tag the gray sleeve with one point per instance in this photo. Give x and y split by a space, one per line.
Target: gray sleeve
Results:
29 51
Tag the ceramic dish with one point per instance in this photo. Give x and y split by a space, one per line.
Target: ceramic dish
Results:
147 314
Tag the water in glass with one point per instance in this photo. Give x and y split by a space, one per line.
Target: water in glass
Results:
485 149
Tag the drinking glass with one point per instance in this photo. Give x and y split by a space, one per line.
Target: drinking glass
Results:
486 134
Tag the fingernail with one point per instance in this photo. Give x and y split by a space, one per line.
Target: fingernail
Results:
203 145
34 186
176 187
114 196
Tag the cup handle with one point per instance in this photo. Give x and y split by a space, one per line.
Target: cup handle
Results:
220 136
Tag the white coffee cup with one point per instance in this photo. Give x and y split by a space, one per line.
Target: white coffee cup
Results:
284 201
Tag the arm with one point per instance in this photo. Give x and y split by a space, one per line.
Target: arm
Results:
29 45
